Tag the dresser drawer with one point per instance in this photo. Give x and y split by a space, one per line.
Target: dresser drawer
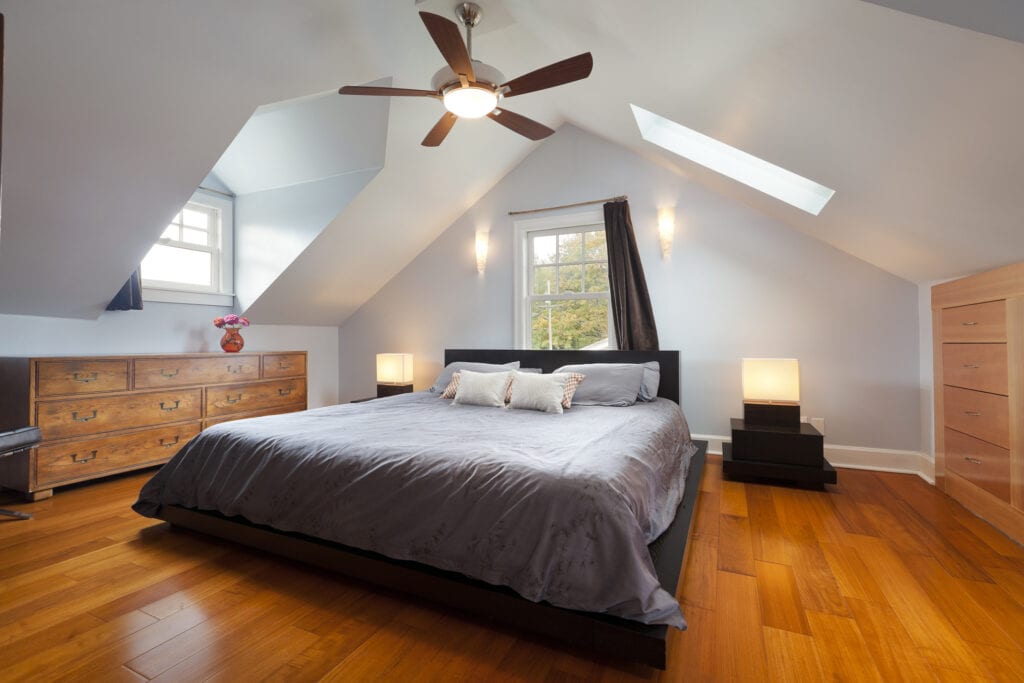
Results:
244 398
276 410
284 365
977 322
985 416
976 366
978 462
83 416
172 371
57 377
63 463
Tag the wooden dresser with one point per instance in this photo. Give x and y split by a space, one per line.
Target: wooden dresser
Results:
978 324
100 415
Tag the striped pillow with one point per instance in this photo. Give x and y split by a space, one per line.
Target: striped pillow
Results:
453 385
570 387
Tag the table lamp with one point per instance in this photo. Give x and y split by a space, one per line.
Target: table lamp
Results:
394 374
771 392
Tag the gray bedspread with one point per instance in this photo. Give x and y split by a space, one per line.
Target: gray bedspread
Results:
558 507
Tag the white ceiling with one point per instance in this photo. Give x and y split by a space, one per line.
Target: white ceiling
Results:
115 110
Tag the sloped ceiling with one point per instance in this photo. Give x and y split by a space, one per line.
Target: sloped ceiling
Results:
116 110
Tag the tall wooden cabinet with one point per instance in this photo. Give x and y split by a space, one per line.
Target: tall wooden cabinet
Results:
100 415
978 332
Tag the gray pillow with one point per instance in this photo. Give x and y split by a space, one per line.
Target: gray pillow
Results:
607 384
652 380
446 375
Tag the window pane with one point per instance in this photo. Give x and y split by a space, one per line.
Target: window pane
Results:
171 232
194 236
544 280
570 279
196 219
597 277
595 246
173 264
177 218
544 249
570 248
572 324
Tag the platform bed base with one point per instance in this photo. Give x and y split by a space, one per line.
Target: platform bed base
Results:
598 633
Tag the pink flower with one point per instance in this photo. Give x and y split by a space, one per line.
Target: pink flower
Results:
231 319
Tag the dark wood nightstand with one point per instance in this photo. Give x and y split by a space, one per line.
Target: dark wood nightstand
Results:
363 400
792 454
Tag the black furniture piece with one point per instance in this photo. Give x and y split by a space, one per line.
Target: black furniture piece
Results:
384 390
793 453
12 443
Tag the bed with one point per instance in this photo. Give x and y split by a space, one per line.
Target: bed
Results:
570 525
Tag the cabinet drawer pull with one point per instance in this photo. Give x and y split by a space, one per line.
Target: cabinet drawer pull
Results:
970 324
85 379
972 413
74 416
973 461
170 444
91 456
971 366
236 399
283 392
234 369
284 366
170 375
165 407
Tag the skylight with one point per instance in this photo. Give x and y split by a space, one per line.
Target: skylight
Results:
736 164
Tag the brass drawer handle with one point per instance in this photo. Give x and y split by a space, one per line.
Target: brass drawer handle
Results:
237 369
170 375
91 456
283 392
165 407
973 461
74 416
969 324
971 366
284 366
972 413
170 444
236 399
85 379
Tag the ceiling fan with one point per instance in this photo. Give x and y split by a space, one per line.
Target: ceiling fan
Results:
471 89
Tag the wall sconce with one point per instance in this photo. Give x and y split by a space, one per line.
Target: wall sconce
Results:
666 229
394 374
482 239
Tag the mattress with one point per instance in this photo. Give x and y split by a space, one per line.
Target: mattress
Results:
560 508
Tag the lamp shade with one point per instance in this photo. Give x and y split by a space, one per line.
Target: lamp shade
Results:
772 380
394 368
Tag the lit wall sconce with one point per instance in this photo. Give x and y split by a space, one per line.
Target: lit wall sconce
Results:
394 374
666 229
482 239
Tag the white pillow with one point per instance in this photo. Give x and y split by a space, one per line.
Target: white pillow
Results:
538 392
482 388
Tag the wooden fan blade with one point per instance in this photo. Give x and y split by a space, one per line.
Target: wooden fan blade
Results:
440 130
448 39
559 73
373 90
520 124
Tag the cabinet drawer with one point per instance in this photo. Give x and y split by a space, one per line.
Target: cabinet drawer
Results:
79 416
976 366
62 463
284 365
276 410
57 377
171 371
978 322
985 416
980 463
244 398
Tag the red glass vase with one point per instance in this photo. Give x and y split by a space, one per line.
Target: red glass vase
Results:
232 341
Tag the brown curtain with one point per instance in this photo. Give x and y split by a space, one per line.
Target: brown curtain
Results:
631 304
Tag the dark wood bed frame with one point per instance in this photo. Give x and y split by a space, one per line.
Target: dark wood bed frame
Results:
599 633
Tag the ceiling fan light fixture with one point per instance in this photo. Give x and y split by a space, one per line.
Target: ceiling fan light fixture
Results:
471 101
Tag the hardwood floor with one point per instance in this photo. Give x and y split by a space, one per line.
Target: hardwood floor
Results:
882 578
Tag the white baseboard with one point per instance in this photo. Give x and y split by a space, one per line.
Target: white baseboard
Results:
857 458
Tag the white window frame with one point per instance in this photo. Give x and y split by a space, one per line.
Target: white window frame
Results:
522 272
223 268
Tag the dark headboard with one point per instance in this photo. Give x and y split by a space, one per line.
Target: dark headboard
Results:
551 360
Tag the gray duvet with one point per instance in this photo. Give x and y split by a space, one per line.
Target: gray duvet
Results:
558 507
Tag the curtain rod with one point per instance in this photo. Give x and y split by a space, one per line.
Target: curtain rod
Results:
620 198
210 189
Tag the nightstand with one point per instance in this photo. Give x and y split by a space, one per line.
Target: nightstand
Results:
363 400
792 454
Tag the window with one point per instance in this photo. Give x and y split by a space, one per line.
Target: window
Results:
191 262
563 300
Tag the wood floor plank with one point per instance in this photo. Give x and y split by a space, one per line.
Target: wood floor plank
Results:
792 657
734 499
1000 606
893 652
768 539
843 654
700 573
735 552
851 574
819 590
777 590
739 635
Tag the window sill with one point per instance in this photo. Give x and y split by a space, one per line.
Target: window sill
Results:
175 296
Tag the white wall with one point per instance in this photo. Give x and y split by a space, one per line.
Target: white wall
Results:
737 284
170 328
